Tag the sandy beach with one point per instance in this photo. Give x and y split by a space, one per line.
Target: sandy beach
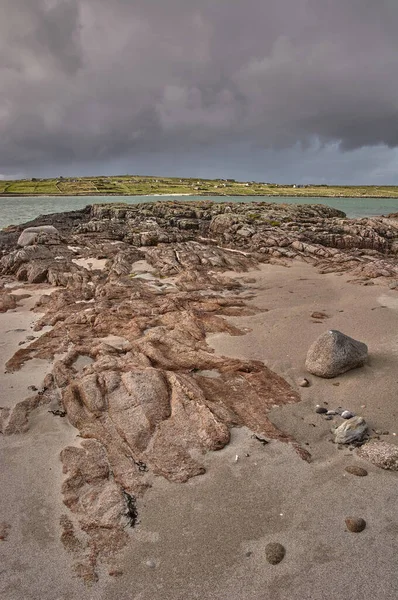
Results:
213 545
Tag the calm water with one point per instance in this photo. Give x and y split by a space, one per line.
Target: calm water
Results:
19 210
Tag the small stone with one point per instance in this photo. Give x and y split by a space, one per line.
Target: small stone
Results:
328 418
115 573
319 315
331 412
304 382
358 471
249 553
274 553
346 414
355 524
151 564
4 530
321 410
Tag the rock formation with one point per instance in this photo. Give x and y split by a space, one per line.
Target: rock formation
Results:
139 287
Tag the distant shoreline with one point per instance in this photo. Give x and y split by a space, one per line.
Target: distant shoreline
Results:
207 195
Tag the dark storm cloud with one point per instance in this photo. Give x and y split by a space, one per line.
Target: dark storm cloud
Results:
93 80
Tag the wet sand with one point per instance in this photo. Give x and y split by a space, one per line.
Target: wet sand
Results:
206 539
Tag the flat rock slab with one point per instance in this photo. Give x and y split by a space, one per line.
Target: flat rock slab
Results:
334 353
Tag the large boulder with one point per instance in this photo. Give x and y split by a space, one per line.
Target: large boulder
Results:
334 353
31 235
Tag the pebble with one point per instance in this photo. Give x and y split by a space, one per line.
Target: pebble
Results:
328 418
274 553
321 410
304 382
331 412
346 414
358 471
151 564
355 524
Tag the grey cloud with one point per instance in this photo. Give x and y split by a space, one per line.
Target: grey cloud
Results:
94 81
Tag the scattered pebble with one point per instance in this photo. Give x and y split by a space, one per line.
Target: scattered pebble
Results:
346 414
319 315
115 573
328 418
274 553
4 530
236 457
249 553
358 471
355 524
304 382
331 412
321 410
151 564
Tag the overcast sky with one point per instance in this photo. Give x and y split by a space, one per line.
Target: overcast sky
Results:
272 90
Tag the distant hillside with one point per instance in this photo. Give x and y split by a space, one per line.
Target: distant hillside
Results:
134 185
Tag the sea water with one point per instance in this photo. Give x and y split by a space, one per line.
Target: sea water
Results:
16 210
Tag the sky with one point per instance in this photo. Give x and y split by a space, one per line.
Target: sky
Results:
295 91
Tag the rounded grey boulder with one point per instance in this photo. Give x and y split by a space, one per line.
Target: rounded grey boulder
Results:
334 353
30 235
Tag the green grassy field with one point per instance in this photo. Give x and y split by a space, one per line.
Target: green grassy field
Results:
133 185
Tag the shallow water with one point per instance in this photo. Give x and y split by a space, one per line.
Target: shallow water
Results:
21 209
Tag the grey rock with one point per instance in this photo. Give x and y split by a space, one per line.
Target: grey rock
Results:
321 410
331 412
151 564
334 353
381 454
30 235
346 414
351 430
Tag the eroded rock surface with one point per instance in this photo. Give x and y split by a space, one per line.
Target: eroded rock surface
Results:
135 374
